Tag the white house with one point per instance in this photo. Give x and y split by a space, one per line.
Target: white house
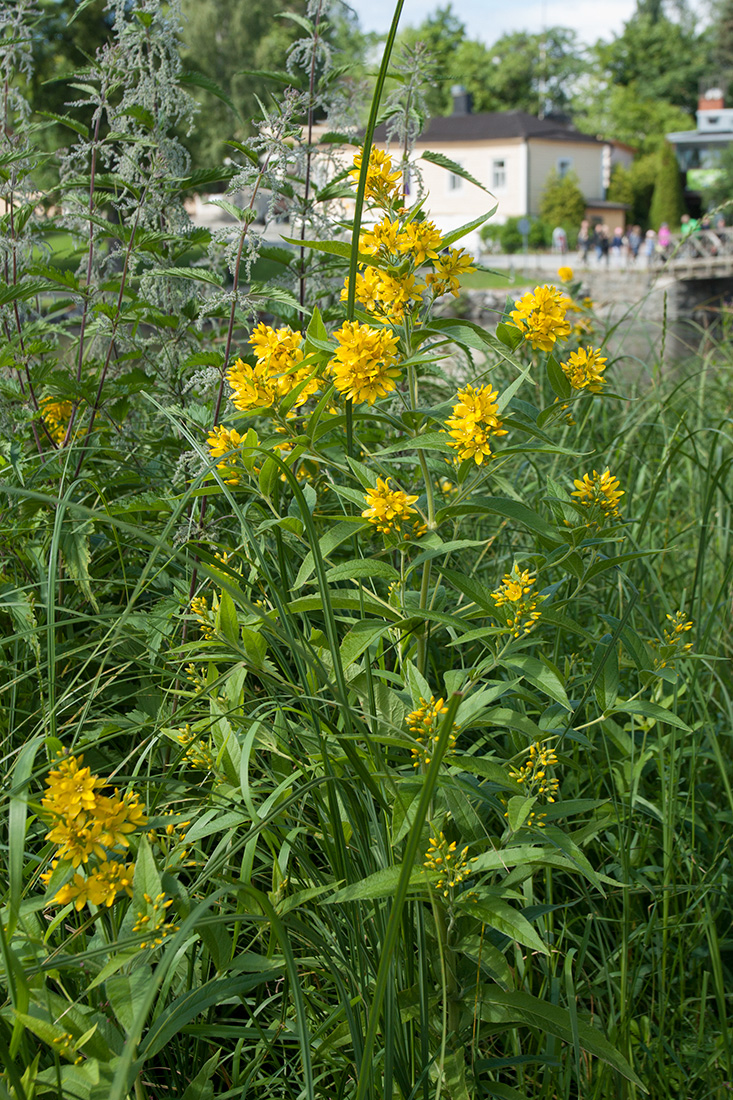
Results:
512 154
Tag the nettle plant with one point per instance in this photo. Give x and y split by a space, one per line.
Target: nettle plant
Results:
312 723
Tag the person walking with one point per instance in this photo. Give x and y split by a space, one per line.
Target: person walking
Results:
650 246
584 241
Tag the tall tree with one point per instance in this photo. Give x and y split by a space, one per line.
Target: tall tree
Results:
667 201
234 43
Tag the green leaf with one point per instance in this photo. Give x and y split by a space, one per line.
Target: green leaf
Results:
498 914
647 709
550 1018
362 568
328 543
457 170
126 993
195 274
487 769
381 884
426 441
359 638
21 292
227 622
463 230
74 544
539 674
518 810
558 379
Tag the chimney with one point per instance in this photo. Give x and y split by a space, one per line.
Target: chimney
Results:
462 100
711 99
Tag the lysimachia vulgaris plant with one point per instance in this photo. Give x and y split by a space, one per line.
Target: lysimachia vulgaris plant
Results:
303 633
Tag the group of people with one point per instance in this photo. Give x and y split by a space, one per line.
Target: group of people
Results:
621 248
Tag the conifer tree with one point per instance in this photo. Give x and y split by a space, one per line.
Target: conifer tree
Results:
667 200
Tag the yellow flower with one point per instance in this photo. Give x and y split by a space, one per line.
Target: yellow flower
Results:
447 271
382 180
540 316
387 508
56 417
600 491
385 237
422 239
222 441
363 364
276 371
70 789
533 776
252 387
515 591
584 369
384 295
475 419
452 865
152 922
565 274
99 888
425 724
85 821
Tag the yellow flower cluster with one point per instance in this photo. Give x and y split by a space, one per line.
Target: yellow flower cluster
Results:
515 592
276 371
452 865
584 369
540 316
56 417
362 367
680 624
424 723
475 419
447 270
599 491
222 441
673 645
65 1046
534 778
85 823
384 295
387 508
197 753
205 614
154 924
391 240
565 274
382 181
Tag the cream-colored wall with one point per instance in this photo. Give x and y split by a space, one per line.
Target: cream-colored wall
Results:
543 158
452 207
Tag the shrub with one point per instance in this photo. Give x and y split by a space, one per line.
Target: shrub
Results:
562 202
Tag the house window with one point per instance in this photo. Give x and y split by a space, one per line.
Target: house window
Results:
498 175
454 182
564 165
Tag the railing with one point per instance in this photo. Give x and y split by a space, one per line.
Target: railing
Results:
704 253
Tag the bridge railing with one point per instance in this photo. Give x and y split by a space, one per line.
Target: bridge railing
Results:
702 252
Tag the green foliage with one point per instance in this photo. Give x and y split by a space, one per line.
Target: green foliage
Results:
627 113
667 200
562 202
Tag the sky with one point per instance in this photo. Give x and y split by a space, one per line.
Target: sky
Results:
487 20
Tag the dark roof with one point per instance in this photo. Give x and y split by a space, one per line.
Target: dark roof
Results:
495 126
